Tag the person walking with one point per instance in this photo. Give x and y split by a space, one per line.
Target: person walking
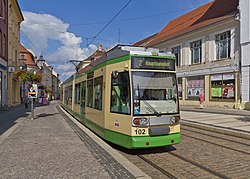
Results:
201 98
26 101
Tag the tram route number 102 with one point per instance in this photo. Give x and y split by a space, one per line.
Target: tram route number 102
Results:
140 131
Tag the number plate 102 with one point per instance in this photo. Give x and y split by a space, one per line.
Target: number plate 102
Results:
140 131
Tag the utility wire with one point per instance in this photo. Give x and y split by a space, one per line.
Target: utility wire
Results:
110 21
30 41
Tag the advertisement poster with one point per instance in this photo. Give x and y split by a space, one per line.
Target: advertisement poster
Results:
228 92
216 92
194 87
180 90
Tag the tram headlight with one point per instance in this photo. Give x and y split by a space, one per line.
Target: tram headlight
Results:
140 121
175 120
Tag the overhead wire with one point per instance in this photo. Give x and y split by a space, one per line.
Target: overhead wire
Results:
109 22
30 41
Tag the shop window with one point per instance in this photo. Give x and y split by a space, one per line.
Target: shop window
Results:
177 52
179 83
90 93
194 87
223 45
222 86
195 52
120 93
98 93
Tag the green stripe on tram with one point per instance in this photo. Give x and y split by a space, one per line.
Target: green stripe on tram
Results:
126 140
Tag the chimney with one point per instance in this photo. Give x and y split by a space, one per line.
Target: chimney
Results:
100 47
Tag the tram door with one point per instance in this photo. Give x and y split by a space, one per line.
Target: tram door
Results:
83 98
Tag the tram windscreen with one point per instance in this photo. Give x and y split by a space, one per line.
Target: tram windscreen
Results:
154 93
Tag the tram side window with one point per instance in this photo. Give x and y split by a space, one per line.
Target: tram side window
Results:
120 93
77 93
98 93
90 93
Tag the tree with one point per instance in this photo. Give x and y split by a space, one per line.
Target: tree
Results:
30 76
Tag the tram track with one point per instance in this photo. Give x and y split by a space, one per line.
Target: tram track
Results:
165 172
149 155
216 137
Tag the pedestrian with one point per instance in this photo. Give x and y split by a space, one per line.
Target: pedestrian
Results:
201 98
26 101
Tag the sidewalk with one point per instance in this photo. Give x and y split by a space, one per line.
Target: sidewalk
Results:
53 146
227 121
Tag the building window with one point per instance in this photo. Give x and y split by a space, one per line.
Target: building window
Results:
195 85
1 8
4 46
222 86
120 93
98 93
90 93
177 52
1 42
223 43
1 88
179 83
196 52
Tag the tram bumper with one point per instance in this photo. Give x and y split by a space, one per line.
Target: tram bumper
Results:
153 141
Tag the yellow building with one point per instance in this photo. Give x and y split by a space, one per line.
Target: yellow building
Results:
15 18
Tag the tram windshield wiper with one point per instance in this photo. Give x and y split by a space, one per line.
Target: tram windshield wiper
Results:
152 109
158 114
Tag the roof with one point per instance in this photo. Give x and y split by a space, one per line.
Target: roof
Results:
145 41
210 13
29 58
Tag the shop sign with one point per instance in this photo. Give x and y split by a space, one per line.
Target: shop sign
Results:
11 69
228 76
216 77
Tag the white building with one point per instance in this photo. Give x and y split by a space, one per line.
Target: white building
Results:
244 6
206 42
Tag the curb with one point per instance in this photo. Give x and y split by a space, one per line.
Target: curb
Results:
213 128
134 170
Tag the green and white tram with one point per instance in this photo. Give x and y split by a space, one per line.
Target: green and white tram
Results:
128 97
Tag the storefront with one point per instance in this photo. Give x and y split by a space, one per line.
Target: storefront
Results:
195 85
222 87
220 90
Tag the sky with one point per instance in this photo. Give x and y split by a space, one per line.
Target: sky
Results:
63 30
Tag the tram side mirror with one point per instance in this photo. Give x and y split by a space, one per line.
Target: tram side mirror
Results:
115 74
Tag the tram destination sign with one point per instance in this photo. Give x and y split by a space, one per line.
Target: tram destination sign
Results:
153 63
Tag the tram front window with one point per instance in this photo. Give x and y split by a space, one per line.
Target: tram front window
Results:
154 93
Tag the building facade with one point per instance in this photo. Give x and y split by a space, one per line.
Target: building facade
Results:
206 42
55 85
27 61
244 6
3 53
15 18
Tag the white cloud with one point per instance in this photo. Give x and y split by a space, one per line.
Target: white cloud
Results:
40 28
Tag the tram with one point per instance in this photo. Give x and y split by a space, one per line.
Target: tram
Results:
128 97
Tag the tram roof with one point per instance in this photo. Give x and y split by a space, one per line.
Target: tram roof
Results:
122 50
